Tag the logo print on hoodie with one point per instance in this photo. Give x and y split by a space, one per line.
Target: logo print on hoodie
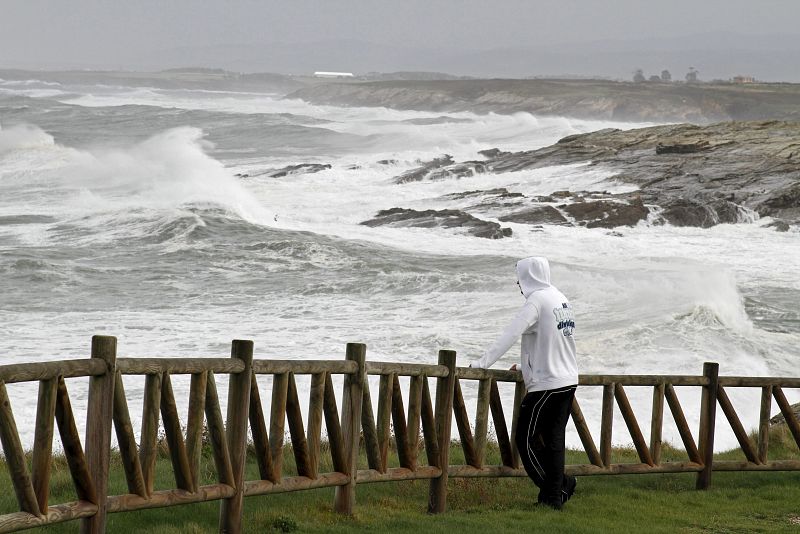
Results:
565 318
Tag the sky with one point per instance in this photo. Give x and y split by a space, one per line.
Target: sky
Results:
146 33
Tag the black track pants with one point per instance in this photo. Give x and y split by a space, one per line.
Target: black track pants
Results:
540 440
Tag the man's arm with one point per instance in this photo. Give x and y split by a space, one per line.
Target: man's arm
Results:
525 318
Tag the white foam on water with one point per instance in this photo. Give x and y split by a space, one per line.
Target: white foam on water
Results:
164 173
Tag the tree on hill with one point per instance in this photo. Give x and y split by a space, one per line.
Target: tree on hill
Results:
638 76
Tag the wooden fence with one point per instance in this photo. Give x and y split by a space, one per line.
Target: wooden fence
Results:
425 425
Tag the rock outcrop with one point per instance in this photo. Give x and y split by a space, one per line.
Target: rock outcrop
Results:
439 218
690 175
300 168
781 420
442 168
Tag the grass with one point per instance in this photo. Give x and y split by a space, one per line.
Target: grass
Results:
736 502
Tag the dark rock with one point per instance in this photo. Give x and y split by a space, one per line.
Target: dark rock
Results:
442 168
779 225
439 218
727 212
607 213
301 168
582 136
459 170
492 153
682 148
488 201
387 162
500 192
784 201
788 197
422 172
537 215
781 420
685 212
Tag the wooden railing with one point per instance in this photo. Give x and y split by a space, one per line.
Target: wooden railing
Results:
426 425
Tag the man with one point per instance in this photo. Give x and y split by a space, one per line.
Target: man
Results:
546 324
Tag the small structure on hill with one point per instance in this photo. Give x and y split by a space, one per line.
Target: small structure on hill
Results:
330 74
692 75
743 79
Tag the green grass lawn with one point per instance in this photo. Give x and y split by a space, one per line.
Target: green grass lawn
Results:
736 502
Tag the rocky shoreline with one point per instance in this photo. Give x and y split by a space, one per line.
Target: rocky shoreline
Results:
683 174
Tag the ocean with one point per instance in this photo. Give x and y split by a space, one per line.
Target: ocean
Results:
150 214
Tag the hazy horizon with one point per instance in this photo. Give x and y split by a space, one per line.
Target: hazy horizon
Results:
506 38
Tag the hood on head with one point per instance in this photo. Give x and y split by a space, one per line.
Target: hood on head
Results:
533 274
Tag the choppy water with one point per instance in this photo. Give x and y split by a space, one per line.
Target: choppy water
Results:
121 213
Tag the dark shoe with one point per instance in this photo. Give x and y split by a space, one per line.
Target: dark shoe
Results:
570 483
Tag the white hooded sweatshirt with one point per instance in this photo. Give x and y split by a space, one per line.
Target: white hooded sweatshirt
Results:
546 324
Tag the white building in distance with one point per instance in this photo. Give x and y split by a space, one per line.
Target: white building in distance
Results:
326 74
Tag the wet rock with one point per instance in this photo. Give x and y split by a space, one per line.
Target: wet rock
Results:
779 225
537 215
300 168
442 168
688 212
699 175
500 192
685 212
682 148
783 203
492 153
459 170
423 171
387 162
785 198
726 212
439 218
607 213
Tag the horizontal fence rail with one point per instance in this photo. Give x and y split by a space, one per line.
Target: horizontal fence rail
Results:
413 421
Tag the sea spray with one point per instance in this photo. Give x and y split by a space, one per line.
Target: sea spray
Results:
167 171
23 136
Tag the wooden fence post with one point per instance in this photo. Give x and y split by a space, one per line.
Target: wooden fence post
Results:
445 388
352 395
230 510
708 419
99 415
